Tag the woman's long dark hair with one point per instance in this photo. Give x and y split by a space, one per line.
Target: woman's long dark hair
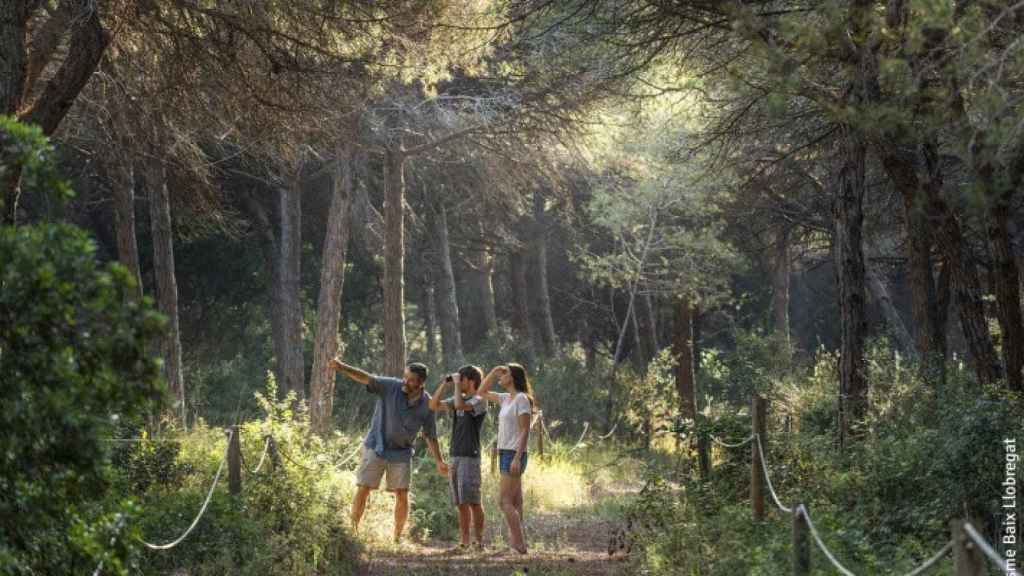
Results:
520 382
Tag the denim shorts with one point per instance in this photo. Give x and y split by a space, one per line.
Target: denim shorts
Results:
505 458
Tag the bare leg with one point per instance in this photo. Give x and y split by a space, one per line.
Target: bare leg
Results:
517 501
478 522
401 512
464 519
509 485
359 505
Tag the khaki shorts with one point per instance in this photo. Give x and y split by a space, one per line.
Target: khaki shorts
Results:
373 467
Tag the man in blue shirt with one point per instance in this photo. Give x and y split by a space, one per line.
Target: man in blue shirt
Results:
402 411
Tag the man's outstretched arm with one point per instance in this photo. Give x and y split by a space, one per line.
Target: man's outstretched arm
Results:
361 376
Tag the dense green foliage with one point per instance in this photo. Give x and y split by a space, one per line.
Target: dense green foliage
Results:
289 518
76 362
931 453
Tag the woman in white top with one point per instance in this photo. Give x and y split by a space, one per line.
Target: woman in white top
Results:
513 435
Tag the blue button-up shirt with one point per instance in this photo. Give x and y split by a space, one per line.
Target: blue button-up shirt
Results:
397 421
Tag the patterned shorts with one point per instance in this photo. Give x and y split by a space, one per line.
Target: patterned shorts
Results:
464 480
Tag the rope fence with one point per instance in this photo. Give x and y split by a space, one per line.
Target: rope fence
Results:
263 458
202 510
967 545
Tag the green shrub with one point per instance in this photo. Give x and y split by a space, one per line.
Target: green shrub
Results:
930 452
432 513
290 519
75 362
73 354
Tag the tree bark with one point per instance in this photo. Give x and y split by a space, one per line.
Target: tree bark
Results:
290 282
124 224
166 283
448 303
685 372
965 288
271 256
14 15
652 322
332 282
46 39
781 268
545 320
880 292
522 326
848 219
89 40
394 262
482 321
1006 286
430 316
915 187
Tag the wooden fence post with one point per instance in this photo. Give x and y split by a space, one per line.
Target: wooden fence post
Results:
235 462
966 557
801 543
540 433
757 421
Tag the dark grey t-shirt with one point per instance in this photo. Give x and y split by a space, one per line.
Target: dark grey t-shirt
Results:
466 426
396 421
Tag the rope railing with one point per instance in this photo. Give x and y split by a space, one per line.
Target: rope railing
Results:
206 503
800 511
579 443
768 478
263 458
723 444
288 457
612 431
985 547
358 450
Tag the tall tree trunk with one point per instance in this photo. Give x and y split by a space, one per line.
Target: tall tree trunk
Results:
290 282
620 342
166 283
880 292
1007 290
545 320
448 303
848 216
394 262
89 41
481 319
781 268
430 316
482 276
917 180
268 244
124 223
332 282
639 350
14 15
521 325
682 343
652 322
941 327
965 288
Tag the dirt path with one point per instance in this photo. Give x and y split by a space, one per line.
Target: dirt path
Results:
559 546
